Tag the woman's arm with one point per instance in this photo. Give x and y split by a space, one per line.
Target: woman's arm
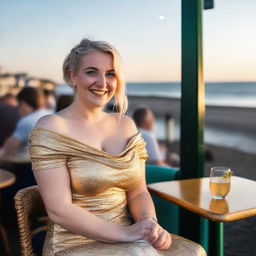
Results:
139 200
142 210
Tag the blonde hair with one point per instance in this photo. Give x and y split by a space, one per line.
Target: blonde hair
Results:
73 60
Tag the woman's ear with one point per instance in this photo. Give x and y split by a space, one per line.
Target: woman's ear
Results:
73 78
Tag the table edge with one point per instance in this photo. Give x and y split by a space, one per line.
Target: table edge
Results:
218 217
8 182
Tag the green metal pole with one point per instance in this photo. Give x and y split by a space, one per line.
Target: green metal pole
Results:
192 99
192 107
220 238
216 246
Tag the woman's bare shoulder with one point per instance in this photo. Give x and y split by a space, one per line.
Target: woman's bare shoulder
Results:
51 122
126 124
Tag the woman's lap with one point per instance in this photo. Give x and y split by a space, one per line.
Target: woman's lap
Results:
179 247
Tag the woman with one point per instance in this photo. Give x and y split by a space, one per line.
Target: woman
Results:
90 165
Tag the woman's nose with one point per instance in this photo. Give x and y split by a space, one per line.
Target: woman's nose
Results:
101 80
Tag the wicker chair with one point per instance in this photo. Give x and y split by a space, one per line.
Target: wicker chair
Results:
28 204
30 210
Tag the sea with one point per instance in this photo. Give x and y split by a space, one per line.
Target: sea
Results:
234 94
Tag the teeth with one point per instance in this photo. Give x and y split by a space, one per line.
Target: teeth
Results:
99 92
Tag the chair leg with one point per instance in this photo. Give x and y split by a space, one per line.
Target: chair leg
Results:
3 235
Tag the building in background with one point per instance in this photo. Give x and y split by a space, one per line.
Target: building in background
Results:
13 82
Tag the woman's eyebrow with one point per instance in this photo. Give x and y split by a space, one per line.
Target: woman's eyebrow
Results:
111 70
91 68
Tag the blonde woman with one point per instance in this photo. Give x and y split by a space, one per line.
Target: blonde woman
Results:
90 165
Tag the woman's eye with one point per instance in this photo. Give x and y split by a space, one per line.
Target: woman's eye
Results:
111 74
91 72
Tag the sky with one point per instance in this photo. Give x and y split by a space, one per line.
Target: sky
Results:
35 37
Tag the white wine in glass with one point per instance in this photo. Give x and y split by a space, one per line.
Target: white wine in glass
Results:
220 182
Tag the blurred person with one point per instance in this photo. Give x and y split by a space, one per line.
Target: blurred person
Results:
31 106
9 116
90 165
145 121
50 101
63 101
9 99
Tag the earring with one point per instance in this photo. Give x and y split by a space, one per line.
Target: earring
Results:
74 86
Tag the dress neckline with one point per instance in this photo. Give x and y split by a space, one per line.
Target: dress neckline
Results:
130 140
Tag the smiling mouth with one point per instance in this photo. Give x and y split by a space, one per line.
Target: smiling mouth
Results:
99 92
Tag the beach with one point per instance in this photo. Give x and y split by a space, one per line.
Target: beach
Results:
224 125
240 236
237 119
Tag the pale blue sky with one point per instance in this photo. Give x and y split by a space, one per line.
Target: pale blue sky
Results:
36 35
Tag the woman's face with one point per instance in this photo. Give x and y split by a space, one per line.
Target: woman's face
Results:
95 80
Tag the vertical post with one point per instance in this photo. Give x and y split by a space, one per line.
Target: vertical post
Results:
169 128
192 94
216 244
192 106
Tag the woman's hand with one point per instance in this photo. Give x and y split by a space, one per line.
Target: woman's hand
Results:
149 230
158 237
137 231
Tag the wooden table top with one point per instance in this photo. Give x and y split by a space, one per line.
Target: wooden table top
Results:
6 178
194 195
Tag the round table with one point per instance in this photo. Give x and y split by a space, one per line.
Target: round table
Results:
6 178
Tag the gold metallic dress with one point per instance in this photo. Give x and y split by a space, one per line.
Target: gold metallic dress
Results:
99 182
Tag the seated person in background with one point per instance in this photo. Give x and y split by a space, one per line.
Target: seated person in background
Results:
31 102
63 101
50 101
9 116
144 119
